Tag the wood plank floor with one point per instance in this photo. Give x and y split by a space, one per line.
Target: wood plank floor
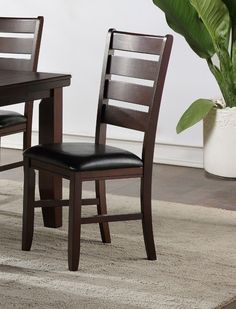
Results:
170 183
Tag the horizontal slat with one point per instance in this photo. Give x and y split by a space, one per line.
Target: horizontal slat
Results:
127 92
137 68
61 203
16 64
90 201
12 129
135 43
16 45
10 166
51 203
124 117
14 25
111 218
118 173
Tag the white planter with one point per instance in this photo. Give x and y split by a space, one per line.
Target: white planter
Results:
220 142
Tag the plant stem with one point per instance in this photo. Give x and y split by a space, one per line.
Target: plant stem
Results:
218 76
233 49
224 78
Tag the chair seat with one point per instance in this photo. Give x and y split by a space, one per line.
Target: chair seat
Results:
9 118
83 156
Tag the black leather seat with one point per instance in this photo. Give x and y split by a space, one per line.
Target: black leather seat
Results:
83 156
7 118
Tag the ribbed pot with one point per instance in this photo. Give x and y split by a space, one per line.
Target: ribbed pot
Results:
220 142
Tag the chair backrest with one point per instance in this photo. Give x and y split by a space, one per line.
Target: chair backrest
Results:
20 40
143 61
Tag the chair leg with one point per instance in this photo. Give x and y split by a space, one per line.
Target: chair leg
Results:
74 222
102 210
27 138
0 151
27 135
146 201
28 207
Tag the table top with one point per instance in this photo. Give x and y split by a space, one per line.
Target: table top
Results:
11 78
22 86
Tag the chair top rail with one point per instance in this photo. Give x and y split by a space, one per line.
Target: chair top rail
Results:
135 43
18 25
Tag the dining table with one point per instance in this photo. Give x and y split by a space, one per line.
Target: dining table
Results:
24 86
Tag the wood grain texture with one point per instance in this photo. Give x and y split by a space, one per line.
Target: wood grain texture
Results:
17 25
133 43
108 114
128 92
132 67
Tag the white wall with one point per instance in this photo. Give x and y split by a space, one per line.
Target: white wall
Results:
73 42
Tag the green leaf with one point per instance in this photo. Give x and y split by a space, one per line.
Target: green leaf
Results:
215 16
231 5
182 17
196 112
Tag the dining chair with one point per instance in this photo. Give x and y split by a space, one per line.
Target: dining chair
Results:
125 57
19 50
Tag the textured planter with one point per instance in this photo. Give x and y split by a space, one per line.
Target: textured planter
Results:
220 142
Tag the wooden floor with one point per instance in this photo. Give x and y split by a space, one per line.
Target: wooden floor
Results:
170 183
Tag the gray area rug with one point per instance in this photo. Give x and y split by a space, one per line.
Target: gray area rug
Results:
196 266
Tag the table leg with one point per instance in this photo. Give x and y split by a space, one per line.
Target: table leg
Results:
50 131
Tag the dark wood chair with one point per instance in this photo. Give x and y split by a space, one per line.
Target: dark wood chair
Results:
80 162
19 47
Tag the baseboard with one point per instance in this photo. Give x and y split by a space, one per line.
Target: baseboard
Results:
164 153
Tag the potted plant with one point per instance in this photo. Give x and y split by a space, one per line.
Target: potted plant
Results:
209 27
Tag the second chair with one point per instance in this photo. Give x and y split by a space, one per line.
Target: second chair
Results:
19 43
